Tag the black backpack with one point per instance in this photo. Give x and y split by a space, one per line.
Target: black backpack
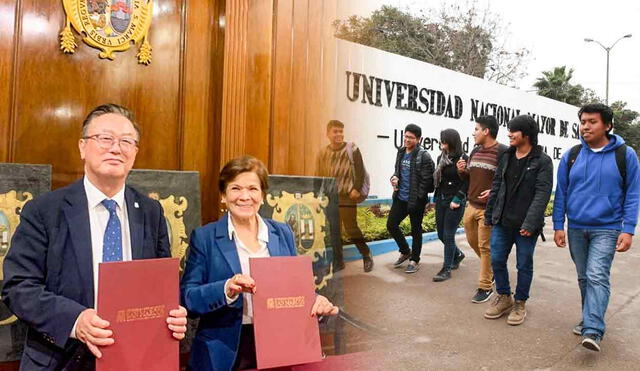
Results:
621 161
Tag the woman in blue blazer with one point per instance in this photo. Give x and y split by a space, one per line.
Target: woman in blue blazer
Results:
217 281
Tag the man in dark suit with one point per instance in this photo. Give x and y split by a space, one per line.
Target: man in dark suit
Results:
51 271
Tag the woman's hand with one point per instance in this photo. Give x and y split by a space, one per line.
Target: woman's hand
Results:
461 165
177 322
240 283
323 307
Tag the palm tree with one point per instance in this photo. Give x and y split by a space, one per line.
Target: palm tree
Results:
555 85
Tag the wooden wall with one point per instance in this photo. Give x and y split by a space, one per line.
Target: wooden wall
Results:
278 94
228 77
45 94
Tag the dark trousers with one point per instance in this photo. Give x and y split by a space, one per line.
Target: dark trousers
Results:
447 223
502 240
399 211
246 359
348 218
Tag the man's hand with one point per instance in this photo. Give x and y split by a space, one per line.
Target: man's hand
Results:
323 307
560 238
240 283
354 194
525 233
394 182
484 194
461 165
454 205
177 322
624 242
92 330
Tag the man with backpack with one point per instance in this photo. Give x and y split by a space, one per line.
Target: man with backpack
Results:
343 161
412 181
598 192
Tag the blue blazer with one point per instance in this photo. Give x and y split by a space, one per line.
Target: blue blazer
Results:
213 258
48 271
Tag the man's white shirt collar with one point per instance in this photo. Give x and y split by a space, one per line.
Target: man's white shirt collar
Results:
95 196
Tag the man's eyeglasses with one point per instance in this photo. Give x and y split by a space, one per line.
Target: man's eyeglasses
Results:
410 137
105 141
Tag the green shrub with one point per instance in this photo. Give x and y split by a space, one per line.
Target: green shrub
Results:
549 210
372 220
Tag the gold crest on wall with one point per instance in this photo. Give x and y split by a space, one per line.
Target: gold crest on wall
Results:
174 209
109 25
10 206
304 213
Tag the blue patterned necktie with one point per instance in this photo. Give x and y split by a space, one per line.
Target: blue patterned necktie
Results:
112 242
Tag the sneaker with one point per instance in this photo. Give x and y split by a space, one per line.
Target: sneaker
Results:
457 260
578 328
443 275
501 305
368 263
401 259
412 267
518 313
591 342
482 296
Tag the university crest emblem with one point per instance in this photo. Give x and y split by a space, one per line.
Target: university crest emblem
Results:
304 213
10 206
108 25
174 210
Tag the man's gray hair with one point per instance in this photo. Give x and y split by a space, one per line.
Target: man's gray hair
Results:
109 108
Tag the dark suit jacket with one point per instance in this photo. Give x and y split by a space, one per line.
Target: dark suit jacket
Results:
213 258
48 272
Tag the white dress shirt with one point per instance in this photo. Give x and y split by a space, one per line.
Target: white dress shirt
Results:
98 219
244 254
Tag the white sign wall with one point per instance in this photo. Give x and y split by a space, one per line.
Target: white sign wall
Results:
379 93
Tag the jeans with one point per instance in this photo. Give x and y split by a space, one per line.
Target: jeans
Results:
399 211
447 222
478 236
502 240
592 251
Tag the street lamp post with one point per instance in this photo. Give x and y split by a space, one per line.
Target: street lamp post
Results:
607 50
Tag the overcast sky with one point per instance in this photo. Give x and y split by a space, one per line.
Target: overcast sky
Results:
554 32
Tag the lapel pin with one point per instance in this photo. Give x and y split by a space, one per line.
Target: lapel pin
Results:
135 204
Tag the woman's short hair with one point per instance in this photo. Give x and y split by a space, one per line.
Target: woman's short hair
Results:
243 164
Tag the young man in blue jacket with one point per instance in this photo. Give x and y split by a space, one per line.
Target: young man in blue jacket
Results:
598 192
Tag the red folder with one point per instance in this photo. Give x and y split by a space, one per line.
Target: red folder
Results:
285 332
136 297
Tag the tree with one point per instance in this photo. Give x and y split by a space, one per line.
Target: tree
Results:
590 96
555 85
391 30
626 123
464 40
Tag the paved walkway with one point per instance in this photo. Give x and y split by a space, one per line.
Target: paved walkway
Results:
434 326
